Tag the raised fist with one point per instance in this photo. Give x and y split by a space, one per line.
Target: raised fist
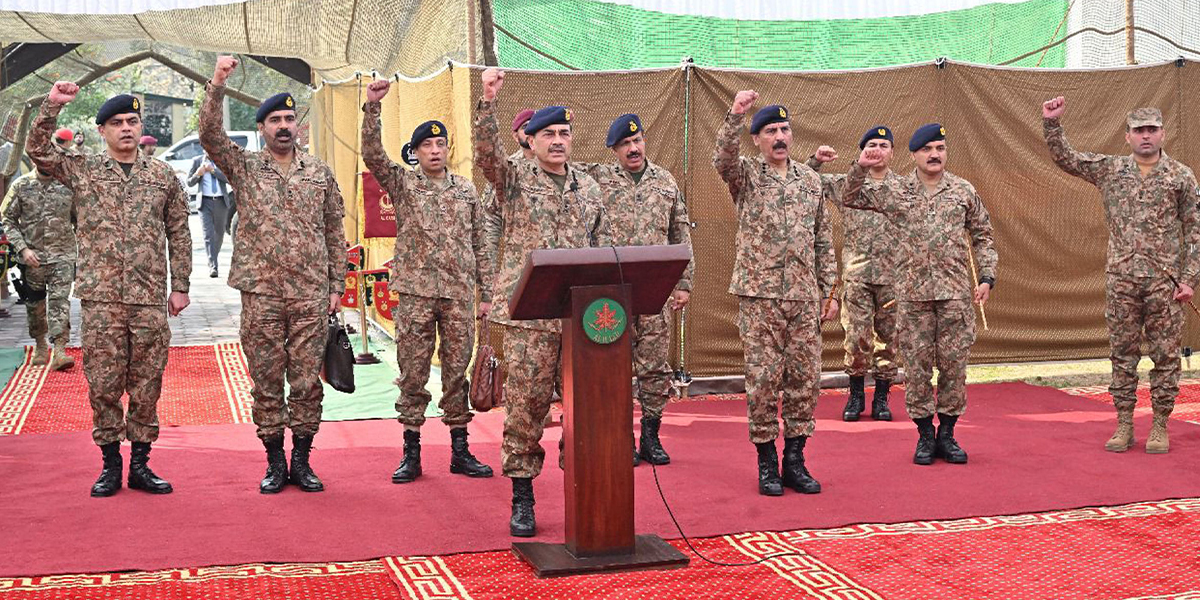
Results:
377 89
225 66
63 92
870 157
743 101
1054 108
825 154
493 80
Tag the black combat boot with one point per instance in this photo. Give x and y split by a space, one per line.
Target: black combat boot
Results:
857 400
926 442
410 465
461 460
947 449
301 474
652 450
110 477
795 475
879 403
522 523
140 475
637 458
277 468
769 483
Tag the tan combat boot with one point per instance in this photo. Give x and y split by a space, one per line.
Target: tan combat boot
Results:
41 353
61 361
1123 438
1158 442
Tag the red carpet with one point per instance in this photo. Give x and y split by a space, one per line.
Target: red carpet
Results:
1187 404
1032 449
203 385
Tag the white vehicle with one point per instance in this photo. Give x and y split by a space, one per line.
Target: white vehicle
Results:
182 153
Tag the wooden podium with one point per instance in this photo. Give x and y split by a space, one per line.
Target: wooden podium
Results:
596 291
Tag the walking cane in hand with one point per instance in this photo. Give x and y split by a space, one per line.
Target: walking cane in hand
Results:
975 282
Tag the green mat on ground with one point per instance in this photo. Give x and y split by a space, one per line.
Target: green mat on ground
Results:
10 359
375 388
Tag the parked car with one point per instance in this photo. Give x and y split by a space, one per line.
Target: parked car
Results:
181 154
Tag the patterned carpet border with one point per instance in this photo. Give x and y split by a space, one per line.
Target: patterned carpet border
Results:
18 396
236 377
247 571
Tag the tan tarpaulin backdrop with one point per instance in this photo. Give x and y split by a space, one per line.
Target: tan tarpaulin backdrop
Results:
1050 229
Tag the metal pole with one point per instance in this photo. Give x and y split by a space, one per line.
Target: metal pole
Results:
1130 55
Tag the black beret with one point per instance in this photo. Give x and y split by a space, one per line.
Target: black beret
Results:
766 116
625 126
551 115
424 131
281 101
878 132
925 134
118 105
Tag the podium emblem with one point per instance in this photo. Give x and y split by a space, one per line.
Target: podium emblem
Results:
604 321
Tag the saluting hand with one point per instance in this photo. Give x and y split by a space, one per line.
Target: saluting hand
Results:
493 80
825 154
377 89
870 157
63 92
743 101
1054 108
225 66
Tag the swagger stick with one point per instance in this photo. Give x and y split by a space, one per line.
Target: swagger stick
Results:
1175 282
975 281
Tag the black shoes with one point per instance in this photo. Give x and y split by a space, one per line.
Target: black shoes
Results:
857 400
410 465
769 483
522 523
879 403
110 477
652 450
926 442
140 475
301 474
947 448
795 475
277 467
462 462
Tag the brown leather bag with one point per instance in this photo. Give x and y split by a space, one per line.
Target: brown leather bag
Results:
487 380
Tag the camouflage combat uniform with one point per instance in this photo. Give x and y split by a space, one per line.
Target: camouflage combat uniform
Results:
1152 233
40 217
784 267
493 232
935 291
438 264
123 224
868 274
646 213
537 214
288 257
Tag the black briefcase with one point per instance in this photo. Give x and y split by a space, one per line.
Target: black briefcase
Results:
338 371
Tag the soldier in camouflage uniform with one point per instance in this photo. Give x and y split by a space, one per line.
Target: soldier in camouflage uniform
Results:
1153 261
289 262
438 264
868 296
784 274
643 207
40 222
129 209
547 203
929 210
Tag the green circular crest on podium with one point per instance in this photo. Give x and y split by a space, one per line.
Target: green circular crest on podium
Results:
604 321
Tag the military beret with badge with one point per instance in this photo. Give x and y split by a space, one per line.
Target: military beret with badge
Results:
932 132
424 131
280 101
626 125
118 105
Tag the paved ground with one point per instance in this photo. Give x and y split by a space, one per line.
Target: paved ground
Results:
212 317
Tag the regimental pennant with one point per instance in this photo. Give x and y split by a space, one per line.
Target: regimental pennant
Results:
354 258
350 296
370 278
384 299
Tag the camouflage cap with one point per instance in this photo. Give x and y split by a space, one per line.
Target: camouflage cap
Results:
1142 117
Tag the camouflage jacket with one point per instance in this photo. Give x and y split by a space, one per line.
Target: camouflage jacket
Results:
439 231
536 214
124 225
1152 221
784 240
40 217
868 250
933 261
290 241
647 213
493 232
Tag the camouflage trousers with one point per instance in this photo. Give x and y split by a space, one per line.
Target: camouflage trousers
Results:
936 333
124 350
532 358
782 344
419 322
284 337
870 330
1137 309
651 368
53 313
